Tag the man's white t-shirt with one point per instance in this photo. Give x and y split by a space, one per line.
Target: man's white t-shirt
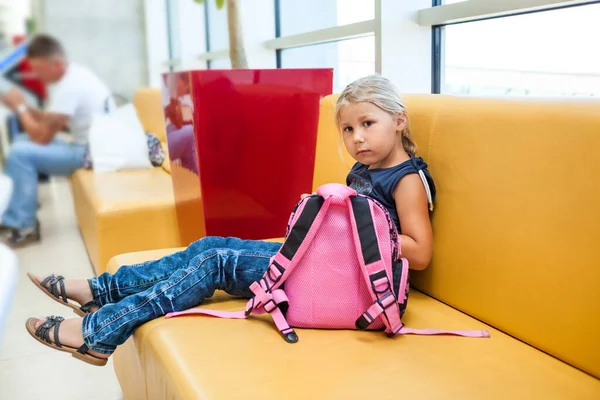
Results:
79 94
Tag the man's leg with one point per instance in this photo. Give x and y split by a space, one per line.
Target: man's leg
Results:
25 160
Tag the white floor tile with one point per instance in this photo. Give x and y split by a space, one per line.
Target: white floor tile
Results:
28 369
56 376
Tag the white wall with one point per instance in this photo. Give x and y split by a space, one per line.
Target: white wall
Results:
13 15
109 37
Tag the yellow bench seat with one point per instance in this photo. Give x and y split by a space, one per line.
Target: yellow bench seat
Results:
201 357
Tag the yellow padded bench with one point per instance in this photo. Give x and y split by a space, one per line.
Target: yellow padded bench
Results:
515 234
120 212
210 358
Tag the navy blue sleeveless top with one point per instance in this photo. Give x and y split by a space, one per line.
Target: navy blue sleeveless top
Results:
380 183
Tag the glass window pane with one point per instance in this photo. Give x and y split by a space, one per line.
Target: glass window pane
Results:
310 15
551 53
350 59
220 63
217 27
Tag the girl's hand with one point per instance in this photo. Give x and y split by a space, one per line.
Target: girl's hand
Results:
306 195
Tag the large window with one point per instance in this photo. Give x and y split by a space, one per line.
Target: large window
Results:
186 37
350 59
550 53
310 15
217 26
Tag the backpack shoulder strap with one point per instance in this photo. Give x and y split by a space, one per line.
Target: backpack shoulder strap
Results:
373 268
379 284
311 211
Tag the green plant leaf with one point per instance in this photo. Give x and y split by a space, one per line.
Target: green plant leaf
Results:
219 3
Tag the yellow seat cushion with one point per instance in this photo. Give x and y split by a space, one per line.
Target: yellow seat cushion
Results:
210 358
120 212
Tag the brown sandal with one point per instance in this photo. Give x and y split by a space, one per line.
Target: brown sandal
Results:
42 335
50 287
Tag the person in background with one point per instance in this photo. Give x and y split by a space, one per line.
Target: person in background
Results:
75 94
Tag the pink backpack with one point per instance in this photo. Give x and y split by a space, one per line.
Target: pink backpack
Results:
332 282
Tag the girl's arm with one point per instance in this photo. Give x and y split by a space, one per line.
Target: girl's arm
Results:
413 212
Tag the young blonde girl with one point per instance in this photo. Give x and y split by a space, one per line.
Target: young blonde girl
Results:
372 121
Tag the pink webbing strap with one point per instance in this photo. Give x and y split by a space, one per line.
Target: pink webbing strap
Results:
213 313
378 308
472 333
403 277
372 266
268 303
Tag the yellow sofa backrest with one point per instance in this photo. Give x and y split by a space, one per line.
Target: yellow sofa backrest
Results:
517 217
148 104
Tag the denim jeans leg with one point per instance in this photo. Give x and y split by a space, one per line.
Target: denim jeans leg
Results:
231 270
25 160
131 279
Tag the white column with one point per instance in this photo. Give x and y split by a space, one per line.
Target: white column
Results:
157 42
403 47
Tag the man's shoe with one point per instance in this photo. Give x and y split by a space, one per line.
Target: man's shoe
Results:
22 237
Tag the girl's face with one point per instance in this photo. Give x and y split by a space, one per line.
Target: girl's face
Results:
372 136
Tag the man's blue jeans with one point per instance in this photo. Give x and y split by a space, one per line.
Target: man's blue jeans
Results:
139 293
25 161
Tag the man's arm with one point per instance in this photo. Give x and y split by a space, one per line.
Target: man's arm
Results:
41 127
38 115
42 131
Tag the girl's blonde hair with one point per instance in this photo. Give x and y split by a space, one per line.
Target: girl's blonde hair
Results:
379 91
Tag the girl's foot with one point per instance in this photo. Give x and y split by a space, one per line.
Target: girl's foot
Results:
62 290
68 337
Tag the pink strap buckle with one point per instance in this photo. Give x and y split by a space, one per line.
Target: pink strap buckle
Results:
378 308
269 302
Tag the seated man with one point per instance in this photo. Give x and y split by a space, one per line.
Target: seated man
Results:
75 93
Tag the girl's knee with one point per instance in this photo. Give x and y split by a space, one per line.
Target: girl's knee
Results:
207 243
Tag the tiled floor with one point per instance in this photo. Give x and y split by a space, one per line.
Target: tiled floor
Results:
29 370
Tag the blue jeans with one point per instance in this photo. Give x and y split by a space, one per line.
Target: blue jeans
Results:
139 293
24 162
